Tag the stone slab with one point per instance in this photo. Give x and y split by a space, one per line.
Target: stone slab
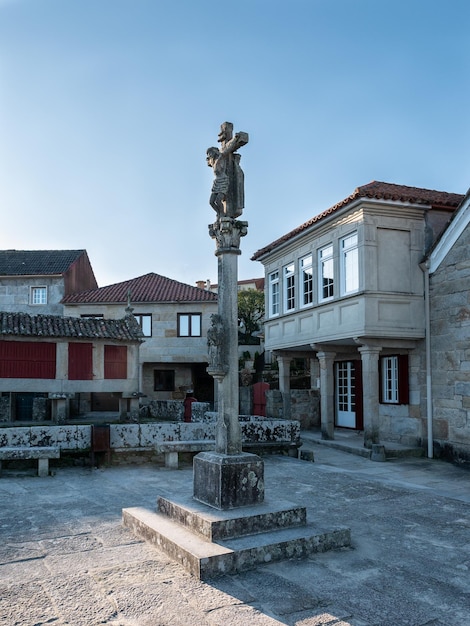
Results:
216 525
205 559
228 481
14 452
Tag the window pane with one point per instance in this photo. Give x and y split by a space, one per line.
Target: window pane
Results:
145 322
39 295
326 273
184 325
189 324
195 325
307 280
350 263
274 294
164 380
390 379
289 287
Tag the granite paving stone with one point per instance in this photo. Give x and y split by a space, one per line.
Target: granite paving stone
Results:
67 560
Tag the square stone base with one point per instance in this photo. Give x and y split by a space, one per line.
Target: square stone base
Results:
228 481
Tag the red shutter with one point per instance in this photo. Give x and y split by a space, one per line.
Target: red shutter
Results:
80 361
27 359
115 362
403 380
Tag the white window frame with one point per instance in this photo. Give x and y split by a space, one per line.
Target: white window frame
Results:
306 280
288 276
349 254
38 296
390 380
273 295
325 256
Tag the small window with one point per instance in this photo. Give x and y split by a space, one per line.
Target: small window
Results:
145 322
38 295
164 380
92 316
326 273
289 287
349 264
189 324
306 279
273 294
394 386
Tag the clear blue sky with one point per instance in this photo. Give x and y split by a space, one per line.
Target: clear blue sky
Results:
107 108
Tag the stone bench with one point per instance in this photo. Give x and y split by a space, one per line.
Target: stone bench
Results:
41 453
171 449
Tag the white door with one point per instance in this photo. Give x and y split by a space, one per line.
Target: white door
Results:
345 394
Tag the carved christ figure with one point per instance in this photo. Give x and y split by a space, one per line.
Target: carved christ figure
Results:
227 195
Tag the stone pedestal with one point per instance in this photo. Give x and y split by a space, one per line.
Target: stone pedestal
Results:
228 481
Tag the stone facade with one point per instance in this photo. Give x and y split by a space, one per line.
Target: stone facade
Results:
183 358
450 351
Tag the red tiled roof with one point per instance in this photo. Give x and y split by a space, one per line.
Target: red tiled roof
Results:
47 326
375 190
150 288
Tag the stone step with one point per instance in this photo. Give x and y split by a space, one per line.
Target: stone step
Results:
354 445
215 525
206 559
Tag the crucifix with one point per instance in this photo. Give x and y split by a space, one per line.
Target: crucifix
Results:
227 194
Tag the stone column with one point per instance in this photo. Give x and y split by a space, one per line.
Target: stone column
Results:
327 394
370 393
284 384
227 478
314 373
123 402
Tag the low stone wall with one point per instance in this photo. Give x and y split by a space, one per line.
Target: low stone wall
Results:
143 437
173 410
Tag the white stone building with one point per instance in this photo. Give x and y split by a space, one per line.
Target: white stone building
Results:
346 291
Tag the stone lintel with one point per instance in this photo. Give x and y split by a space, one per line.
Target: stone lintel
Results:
228 481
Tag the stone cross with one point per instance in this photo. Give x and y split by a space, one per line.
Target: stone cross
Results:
227 477
228 189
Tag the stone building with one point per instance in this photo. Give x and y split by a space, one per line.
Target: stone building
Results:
35 281
448 315
49 364
174 318
346 291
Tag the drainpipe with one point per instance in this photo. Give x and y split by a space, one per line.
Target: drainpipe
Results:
427 315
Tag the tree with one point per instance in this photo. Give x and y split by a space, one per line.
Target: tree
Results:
250 314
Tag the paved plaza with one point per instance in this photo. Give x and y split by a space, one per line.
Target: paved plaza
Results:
65 557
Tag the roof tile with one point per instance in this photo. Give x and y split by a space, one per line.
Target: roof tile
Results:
379 191
150 288
24 325
37 262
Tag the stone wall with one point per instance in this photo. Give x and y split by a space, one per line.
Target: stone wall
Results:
5 408
144 437
173 410
450 350
304 406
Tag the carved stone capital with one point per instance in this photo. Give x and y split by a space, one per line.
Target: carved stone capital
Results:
227 233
